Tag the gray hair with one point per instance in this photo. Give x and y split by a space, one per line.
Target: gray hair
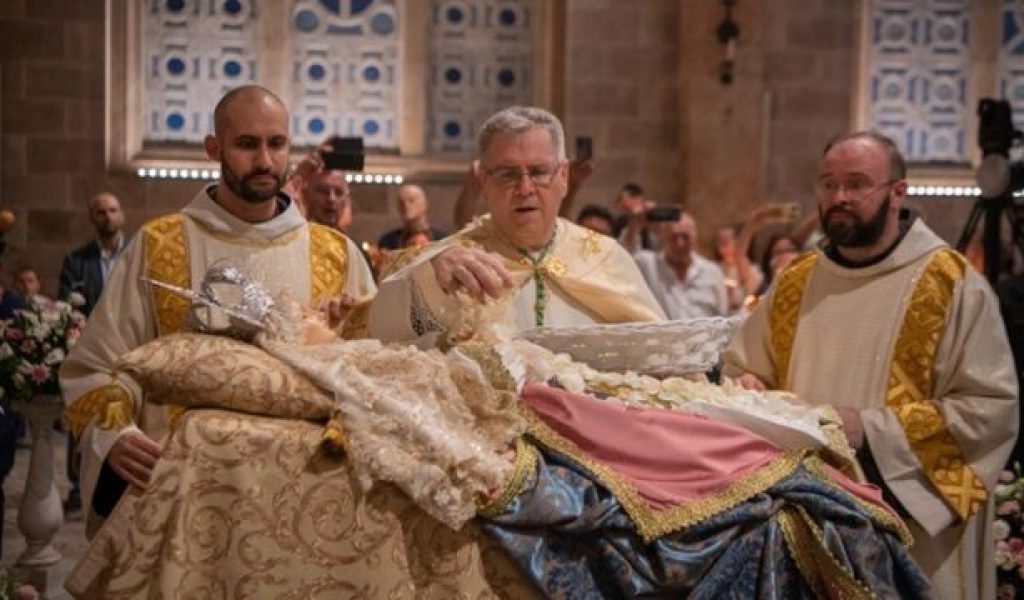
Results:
520 119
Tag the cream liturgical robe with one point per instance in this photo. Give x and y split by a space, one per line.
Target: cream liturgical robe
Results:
310 262
585 278
916 344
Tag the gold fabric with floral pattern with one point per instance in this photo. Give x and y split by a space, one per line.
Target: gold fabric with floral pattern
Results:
244 506
328 263
167 261
911 385
112 403
785 313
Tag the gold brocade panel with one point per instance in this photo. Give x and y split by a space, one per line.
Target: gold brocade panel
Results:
328 263
911 386
785 313
167 261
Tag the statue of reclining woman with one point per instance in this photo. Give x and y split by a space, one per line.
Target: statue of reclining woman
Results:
539 476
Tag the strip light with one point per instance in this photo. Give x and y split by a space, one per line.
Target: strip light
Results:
164 173
214 174
374 178
943 191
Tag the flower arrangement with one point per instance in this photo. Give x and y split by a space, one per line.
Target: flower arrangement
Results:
1008 530
35 342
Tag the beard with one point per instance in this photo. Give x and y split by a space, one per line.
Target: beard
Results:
858 233
243 189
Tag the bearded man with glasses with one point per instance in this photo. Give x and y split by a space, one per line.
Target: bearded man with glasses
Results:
891 327
546 271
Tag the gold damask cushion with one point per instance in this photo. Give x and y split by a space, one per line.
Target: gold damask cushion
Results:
195 370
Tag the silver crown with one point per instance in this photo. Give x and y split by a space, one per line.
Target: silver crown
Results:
229 302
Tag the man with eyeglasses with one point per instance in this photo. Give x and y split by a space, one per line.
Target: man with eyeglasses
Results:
892 328
547 271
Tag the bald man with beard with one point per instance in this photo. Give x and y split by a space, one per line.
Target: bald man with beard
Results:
244 219
892 328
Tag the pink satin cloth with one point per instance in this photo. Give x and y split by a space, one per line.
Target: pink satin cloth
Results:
669 457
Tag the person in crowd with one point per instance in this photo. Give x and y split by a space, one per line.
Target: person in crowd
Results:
245 220
596 218
412 209
86 269
631 206
27 283
779 252
328 199
10 299
687 285
892 328
417 237
548 271
12 425
742 277
780 249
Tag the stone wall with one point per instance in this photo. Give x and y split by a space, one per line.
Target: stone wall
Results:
622 91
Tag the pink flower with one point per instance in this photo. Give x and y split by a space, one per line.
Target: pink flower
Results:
15 333
1009 507
1006 592
1006 477
41 374
73 335
1015 544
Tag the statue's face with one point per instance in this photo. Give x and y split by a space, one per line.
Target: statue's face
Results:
524 183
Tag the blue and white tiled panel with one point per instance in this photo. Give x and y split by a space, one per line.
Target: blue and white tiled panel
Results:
1011 60
481 60
193 52
345 71
919 64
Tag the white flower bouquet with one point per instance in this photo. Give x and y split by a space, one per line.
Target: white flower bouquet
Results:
34 343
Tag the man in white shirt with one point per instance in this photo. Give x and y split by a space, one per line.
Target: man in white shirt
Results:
686 284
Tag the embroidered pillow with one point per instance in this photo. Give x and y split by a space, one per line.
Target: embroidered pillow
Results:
195 370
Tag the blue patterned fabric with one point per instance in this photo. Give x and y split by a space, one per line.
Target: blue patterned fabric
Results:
573 539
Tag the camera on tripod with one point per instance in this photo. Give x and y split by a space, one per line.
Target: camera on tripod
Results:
999 178
997 175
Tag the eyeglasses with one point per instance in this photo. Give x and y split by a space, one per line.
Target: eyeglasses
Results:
855 189
509 177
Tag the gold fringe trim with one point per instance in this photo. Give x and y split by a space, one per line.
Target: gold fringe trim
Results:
911 385
174 414
653 523
886 519
110 404
491 364
328 263
826 577
526 465
333 440
801 549
785 312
